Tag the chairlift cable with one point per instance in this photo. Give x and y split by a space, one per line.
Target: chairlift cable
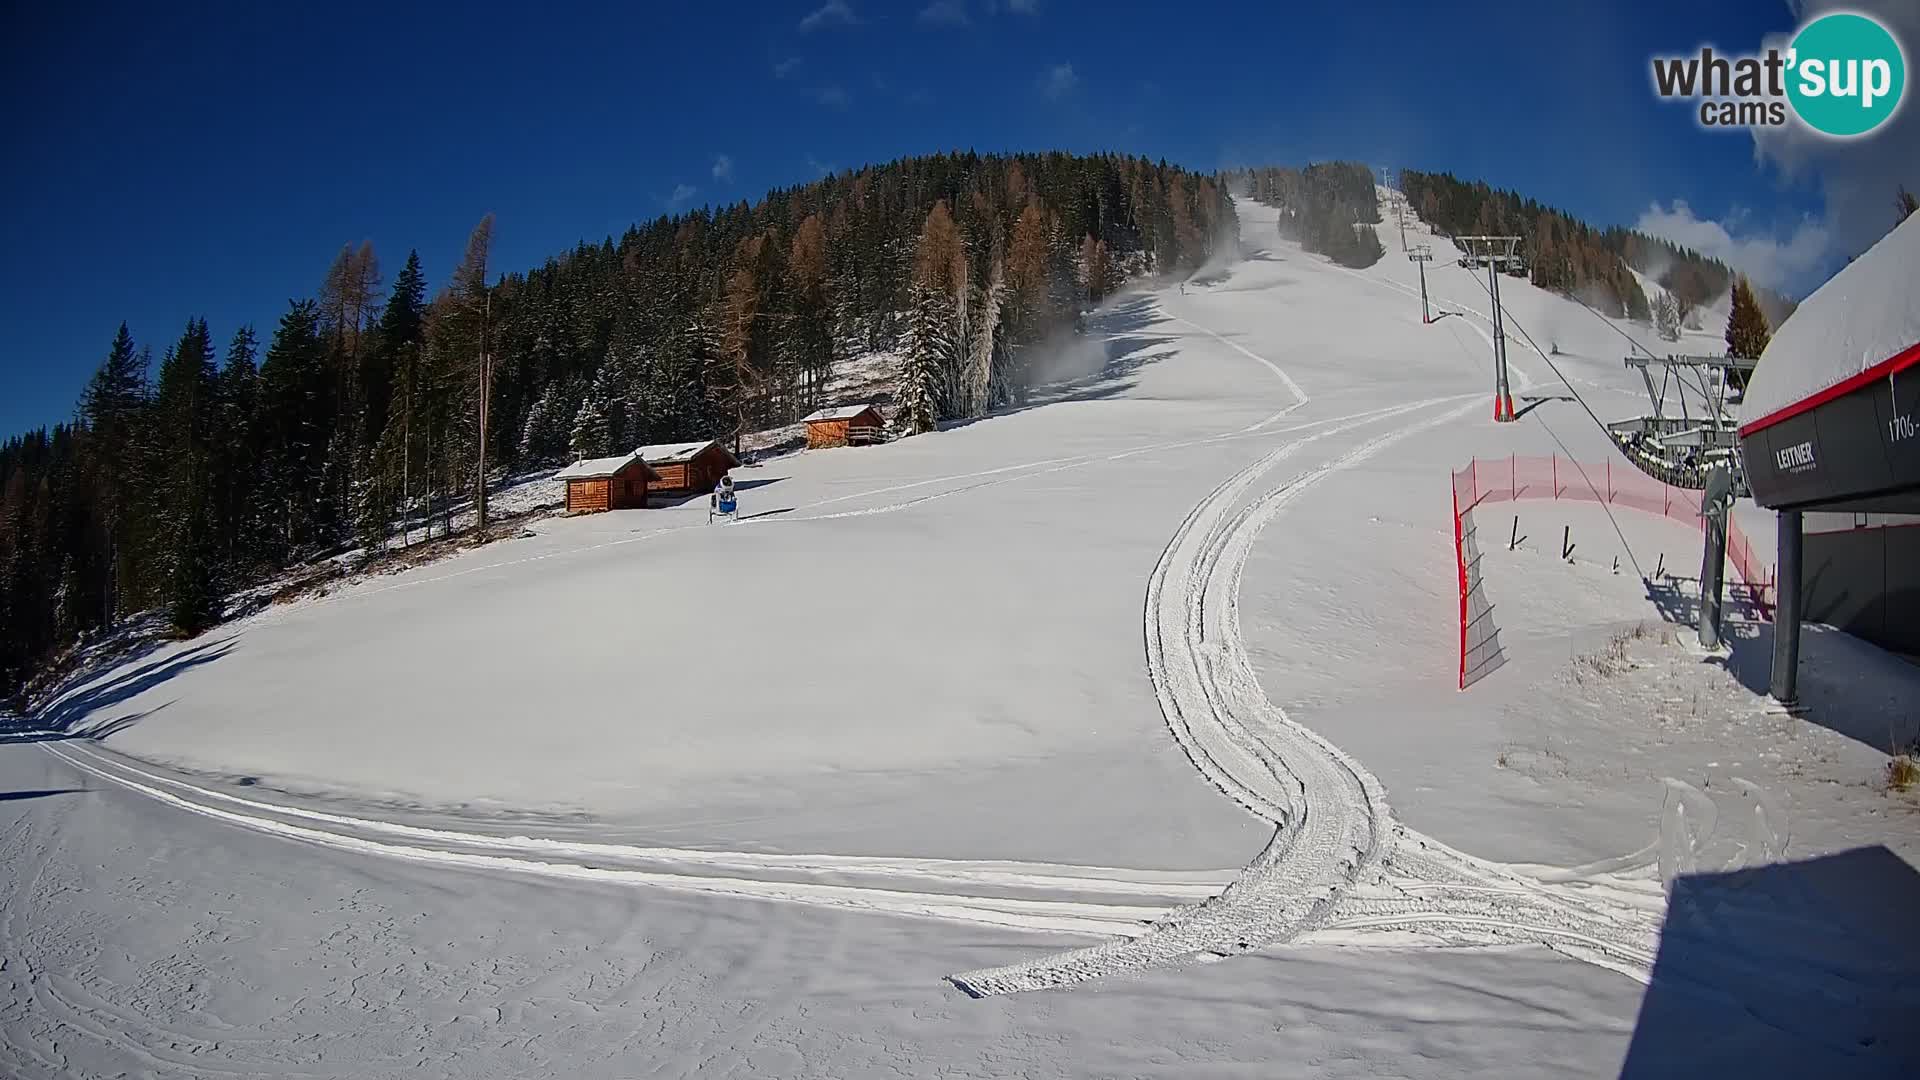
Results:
1575 461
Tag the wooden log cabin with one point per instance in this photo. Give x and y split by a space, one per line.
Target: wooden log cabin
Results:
687 468
849 425
611 483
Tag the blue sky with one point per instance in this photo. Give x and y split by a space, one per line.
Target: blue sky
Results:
208 160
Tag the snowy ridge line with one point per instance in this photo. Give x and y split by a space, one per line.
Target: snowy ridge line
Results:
1330 815
1171 885
1016 913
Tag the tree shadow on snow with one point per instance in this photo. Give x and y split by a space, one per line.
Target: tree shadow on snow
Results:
1845 683
18 796
1800 969
1111 381
74 715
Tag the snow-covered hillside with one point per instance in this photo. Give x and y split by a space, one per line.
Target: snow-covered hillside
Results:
1156 672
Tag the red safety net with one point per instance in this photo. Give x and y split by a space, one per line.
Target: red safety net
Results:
1510 479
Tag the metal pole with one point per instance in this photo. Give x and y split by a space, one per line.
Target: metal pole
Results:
1502 397
1785 685
486 393
1712 564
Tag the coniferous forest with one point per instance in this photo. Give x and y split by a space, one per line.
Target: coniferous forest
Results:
203 460
1568 256
1325 207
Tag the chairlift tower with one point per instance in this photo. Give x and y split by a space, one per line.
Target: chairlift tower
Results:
1420 256
1495 251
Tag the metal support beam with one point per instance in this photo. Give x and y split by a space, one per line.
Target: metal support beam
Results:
1420 256
1712 572
1497 251
1785 684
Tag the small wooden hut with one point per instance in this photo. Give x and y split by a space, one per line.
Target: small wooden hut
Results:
610 483
687 468
849 425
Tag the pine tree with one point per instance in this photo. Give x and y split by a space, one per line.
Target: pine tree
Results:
589 437
1028 315
113 408
810 336
1904 205
937 330
542 437
1666 317
467 318
294 434
193 598
399 329
185 415
1747 330
237 484
989 378
929 341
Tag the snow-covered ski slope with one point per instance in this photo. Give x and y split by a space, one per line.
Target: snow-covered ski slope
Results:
1162 662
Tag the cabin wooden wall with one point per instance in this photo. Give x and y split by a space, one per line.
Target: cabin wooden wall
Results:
823 433
587 496
629 491
706 469
672 477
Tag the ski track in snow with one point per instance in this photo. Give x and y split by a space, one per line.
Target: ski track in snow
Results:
1024 896
1338 870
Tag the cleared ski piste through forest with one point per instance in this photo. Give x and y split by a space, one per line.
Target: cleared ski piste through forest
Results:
636 794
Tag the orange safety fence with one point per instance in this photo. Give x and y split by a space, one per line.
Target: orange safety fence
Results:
1511 479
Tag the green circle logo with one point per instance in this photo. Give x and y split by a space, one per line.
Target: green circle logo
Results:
1846 74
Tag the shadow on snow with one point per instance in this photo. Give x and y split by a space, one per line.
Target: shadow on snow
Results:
1801 969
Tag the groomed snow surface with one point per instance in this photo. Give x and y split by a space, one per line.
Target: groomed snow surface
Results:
1115 735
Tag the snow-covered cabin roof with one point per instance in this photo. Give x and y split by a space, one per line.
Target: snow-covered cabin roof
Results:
844 412
1861 325
596 468
675 453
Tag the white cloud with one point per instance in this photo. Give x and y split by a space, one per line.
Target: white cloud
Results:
722 168
831 13
945 13
1058 81
1856 177
820 169
1784 263
785 67
833 97
682 195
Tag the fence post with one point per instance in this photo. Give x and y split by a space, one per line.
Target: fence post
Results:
1460 566
1513 476
1556 475
1609 481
